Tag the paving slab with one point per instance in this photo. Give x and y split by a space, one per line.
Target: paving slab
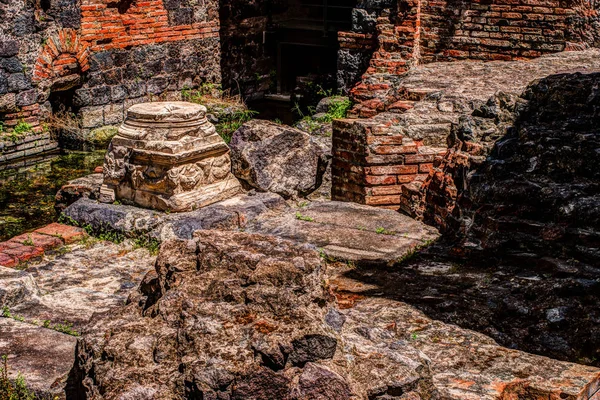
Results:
43 356
345 231
62 291
349 231
465 365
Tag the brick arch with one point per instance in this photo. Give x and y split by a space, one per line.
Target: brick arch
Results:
62 55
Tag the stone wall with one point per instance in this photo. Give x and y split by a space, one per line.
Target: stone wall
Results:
538 191
104 55
446 118
412 32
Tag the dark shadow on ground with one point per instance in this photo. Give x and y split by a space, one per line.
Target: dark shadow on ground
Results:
530 308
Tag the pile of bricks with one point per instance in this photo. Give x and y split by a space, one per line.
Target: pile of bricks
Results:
31 246
372 163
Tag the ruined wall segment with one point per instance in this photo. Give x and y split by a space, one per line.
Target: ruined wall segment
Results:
109 55
407 33
402 125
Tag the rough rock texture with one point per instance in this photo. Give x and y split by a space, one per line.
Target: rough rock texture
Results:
87 187
60 293
168 157
350 232
228 315
233 315
342 230
539 190
277 158
384 160
130 221
44 357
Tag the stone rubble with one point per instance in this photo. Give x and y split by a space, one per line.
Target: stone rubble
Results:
277 158
246 316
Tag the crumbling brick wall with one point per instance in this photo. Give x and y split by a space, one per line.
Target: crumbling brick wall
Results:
380 161
110 53
411 32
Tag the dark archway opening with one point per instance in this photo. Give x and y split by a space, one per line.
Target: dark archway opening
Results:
45 5
277 53
63 121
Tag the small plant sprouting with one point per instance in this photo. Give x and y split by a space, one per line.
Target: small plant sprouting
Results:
301 217
13 390
28 241
22 128
66 328
145 242
382 231
6 312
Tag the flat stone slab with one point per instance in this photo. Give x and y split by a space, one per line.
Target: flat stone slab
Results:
465 365
73 286
345 231
63 289
43 356
350 232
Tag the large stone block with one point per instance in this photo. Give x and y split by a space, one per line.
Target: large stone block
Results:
167 156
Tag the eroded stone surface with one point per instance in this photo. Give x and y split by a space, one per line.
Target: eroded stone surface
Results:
62 289
342 230
44 357
350 231
71 287
277 158
254 312
167 156
246 316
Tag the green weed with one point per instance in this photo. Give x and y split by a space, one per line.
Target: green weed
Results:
301 217
383 231
13 390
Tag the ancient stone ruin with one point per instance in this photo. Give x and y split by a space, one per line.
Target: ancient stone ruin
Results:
168 157
300 199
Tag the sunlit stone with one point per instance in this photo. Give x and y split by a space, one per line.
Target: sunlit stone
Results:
168 156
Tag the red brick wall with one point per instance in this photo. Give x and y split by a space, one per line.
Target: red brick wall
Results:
502 30
66 56
374 165
370 166
146 22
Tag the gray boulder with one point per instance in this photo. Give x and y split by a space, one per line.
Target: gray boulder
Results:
277 158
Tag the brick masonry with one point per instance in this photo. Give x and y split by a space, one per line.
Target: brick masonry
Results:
371 166
376 163
108 54
412 32
32 246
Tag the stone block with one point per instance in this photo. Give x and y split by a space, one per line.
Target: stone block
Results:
9 48
92 117
167 156
113 114
18 82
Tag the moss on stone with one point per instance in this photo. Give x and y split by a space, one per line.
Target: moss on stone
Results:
101 137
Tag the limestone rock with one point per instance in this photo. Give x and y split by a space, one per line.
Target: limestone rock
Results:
16 287
350 232
239 316
167 156
277 158
43 356
86 187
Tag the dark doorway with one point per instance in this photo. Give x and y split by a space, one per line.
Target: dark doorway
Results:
307 42
275 46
